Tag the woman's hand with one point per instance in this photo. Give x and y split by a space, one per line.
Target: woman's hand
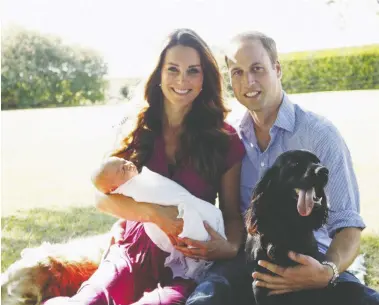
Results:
165 217
216 248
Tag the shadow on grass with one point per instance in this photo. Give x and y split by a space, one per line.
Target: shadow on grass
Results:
30 228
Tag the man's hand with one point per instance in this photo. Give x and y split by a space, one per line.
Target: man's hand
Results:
309 274
216 248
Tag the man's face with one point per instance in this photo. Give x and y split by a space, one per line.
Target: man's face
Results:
255 79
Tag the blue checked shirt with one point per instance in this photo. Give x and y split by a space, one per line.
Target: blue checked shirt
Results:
296 128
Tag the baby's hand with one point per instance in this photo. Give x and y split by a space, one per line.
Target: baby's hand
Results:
118 231
117 235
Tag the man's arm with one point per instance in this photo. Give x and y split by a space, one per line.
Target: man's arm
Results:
344 248
344 222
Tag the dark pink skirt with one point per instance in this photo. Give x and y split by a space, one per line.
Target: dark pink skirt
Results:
131 268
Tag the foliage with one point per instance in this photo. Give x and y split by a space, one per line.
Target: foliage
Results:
331 70
40 71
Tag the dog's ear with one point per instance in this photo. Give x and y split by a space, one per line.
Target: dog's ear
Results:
325 203
319 215
262 186
265 182
55 273
251 219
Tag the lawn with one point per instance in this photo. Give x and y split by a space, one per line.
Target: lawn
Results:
48 154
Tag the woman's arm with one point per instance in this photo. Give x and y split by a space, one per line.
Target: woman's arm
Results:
127 208
218 247
229 201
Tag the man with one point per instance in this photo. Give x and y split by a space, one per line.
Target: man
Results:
273 125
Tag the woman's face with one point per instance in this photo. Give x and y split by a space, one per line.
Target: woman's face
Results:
181 76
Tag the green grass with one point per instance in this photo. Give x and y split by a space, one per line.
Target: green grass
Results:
370 246
30 228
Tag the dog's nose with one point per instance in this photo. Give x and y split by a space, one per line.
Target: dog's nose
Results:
321 171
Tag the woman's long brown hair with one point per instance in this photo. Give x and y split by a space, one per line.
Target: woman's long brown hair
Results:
204 140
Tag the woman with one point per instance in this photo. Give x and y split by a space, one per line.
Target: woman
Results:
182 135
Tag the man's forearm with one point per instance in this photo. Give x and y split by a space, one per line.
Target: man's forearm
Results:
344 248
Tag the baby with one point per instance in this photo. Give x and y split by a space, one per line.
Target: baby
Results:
119 176
113 173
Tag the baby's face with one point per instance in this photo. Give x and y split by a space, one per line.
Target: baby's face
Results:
116 172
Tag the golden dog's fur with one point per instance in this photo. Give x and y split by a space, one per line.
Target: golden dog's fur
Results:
52 270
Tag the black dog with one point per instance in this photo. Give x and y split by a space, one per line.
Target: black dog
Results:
287 205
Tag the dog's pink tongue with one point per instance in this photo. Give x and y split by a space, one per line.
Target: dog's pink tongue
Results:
305 202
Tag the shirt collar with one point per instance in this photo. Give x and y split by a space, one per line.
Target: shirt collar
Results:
284 120
286 115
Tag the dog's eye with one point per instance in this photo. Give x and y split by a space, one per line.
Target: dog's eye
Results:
295 164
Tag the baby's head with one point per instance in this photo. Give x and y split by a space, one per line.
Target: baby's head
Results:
112 173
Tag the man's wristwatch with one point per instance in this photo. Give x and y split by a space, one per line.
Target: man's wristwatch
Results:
336 274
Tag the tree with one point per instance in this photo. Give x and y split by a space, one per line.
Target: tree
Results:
40 71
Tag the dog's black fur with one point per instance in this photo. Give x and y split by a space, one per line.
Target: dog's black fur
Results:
275 226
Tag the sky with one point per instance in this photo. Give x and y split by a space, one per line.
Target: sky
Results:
129 33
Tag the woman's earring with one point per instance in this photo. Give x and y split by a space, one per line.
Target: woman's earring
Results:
160 85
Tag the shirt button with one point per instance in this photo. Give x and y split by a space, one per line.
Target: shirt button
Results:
262 164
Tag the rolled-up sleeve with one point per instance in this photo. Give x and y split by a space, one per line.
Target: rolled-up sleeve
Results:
342 188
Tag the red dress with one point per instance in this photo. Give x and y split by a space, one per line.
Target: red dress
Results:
133 272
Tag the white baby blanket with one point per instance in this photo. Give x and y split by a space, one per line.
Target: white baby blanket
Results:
149 186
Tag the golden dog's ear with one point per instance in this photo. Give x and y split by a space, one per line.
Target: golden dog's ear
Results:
56 271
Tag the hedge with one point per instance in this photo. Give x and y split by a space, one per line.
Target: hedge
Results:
331 70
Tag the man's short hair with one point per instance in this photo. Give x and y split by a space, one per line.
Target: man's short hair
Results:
267 42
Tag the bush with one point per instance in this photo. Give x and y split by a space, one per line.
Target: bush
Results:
40 71
331 70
